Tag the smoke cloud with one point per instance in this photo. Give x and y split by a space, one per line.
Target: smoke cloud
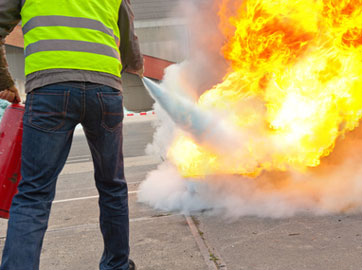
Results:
333 187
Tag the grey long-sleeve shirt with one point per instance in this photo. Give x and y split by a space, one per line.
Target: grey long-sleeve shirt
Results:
131 56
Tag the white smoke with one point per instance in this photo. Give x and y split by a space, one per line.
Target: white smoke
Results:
334 187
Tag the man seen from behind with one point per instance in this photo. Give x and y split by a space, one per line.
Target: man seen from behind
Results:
75 52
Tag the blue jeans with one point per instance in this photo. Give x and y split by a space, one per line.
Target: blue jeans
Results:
52 112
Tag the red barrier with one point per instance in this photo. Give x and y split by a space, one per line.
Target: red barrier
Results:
11 133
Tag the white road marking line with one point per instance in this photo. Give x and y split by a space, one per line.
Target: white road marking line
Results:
133 183
77 160
96 225
86 198
72 168
77 199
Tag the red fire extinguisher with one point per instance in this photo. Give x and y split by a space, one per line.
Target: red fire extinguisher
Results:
11 133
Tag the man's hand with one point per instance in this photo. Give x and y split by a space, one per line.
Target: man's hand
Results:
140 72
11 94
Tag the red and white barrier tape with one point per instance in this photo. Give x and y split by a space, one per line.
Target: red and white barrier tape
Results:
140 114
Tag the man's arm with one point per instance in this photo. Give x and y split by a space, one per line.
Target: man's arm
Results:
9 18
132 59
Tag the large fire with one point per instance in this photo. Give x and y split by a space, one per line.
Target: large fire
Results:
294 85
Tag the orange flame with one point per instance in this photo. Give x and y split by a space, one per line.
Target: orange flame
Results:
293 87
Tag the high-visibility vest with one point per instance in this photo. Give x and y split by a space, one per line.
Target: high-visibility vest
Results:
71 34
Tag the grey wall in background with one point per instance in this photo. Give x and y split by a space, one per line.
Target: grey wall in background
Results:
164 40
155 9
161 29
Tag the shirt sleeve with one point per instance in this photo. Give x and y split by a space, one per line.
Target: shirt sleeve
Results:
132 59
9 18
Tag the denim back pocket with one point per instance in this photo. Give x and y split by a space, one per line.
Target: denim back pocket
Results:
47 109
112 109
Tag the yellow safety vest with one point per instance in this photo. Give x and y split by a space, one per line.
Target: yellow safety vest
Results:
71 34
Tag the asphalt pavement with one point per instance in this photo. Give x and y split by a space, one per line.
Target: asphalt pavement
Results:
172 241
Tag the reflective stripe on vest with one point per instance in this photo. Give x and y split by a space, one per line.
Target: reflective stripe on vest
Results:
70 45
68 21
77 34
